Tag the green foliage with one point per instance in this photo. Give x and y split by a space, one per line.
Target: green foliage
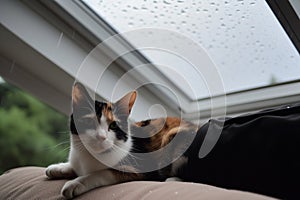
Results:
29 131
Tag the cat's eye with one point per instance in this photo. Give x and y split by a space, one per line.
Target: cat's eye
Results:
113 126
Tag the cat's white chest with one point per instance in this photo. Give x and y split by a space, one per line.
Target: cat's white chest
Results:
83 162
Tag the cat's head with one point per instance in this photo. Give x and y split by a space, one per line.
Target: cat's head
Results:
103 126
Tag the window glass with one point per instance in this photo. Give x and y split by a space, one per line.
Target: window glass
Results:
31 133
243 38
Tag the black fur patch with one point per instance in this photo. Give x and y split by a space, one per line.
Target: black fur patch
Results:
98 108
121 133
145 122
72 126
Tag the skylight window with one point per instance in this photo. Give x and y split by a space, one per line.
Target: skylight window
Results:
242 37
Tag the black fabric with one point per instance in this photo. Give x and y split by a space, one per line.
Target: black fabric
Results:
258 152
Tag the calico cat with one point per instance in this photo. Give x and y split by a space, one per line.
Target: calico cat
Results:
106 149
257 152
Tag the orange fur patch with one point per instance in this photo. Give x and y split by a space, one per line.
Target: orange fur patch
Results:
164 130
127 173
76 94
107 112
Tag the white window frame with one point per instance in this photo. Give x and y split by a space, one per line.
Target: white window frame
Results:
84 29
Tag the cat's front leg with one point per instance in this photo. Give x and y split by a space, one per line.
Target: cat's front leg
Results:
86 183
60 170
171 179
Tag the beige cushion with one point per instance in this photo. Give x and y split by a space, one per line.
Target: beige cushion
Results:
31 183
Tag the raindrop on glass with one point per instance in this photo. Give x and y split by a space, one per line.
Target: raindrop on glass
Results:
166 2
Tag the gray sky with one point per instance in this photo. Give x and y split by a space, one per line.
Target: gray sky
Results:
242 37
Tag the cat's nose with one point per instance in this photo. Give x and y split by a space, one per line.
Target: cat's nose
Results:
101 137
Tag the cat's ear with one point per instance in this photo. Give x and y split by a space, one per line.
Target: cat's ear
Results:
80 96
125 104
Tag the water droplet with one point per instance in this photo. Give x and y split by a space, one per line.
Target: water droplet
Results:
130 24
175 193
73 34
166 2
59 39
12 66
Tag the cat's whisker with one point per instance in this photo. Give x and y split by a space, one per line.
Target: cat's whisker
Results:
66 131
63 150
79 146
57 145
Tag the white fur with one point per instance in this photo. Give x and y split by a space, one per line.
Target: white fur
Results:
97 149
90 157
173 179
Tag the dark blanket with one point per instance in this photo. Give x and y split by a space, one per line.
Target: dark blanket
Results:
257 152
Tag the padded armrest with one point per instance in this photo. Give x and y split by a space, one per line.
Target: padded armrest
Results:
31 183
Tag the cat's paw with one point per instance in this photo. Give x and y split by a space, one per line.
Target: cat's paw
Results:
73 188
173 179
61 170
